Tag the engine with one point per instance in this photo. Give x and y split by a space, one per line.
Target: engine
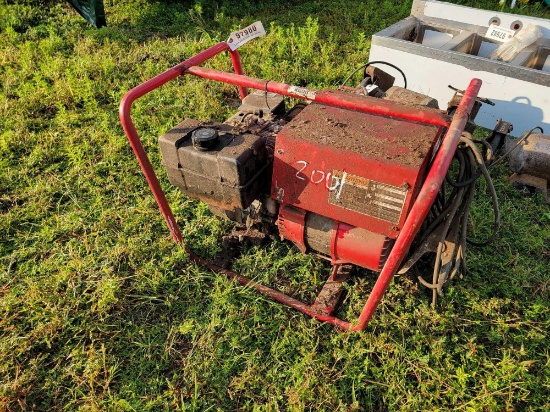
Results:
333 181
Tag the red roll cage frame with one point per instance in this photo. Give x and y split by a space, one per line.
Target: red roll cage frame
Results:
418 211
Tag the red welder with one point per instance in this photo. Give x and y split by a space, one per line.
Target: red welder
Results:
354 175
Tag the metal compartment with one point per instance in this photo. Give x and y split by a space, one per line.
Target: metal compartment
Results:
443 44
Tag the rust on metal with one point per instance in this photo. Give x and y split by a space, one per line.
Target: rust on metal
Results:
375 107
400 142
329 297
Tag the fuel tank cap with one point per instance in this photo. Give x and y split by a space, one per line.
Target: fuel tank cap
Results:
204 138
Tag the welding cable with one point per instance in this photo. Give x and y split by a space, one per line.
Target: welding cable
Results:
441 246
454 209
457 210
422 280
465 213
458 259
496 210
364 66
464 230
441 211
466 140
489 149
458 183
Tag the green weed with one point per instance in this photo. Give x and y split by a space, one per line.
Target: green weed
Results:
100 311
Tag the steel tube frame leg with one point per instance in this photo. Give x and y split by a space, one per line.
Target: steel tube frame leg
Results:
131 133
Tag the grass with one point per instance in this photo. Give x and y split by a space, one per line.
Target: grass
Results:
99 310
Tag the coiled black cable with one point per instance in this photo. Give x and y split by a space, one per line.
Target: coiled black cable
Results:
364 66
447 224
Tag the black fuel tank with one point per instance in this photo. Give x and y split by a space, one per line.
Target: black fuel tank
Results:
213 163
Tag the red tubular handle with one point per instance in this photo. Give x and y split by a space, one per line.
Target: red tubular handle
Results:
131 133
418 212
330 97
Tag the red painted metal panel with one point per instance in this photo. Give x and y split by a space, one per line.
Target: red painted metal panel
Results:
358 246
354 167
291 225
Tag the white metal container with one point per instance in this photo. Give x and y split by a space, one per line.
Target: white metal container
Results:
443 44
